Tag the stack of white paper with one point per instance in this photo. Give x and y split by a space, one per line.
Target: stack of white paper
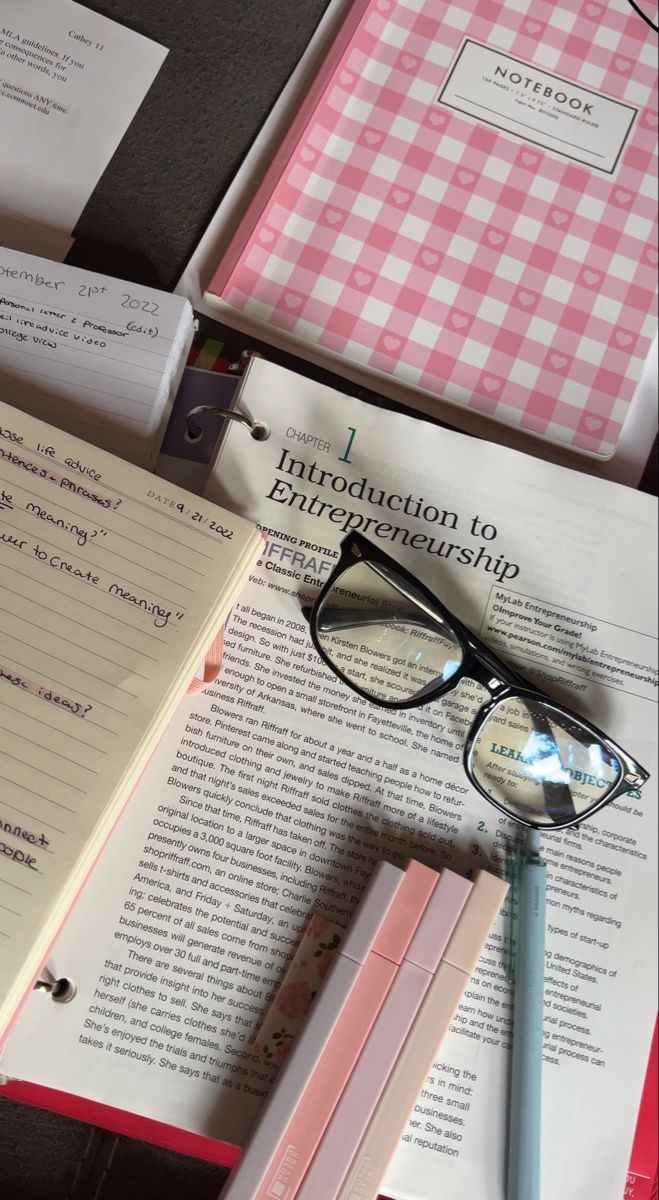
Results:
71 82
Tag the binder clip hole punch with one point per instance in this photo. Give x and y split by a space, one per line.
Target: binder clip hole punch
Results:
194 433
61 990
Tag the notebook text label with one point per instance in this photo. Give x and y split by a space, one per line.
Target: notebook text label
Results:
535 105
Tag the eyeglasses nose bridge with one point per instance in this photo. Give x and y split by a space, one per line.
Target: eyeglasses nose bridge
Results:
481 673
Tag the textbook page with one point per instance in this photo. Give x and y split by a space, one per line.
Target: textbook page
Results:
111 589
275 791
71 82
94 355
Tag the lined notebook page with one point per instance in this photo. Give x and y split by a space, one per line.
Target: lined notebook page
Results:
112 583
95 356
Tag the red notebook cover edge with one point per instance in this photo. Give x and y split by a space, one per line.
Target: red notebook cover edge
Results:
117 1120
642 1177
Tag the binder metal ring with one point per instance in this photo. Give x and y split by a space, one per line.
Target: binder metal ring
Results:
61 990
258 429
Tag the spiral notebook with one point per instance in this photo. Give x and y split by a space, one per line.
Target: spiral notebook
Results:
112 587
462 214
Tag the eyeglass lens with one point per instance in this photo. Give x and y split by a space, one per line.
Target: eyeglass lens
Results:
541 763
375 629
532 758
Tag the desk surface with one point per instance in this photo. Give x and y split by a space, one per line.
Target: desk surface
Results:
228 61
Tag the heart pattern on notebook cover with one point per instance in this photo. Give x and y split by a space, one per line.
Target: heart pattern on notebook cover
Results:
452 233
558 361
491 384
459 320
593 423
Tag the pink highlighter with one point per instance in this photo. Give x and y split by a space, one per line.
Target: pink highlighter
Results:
367 1169
314 1074
396 1017
324 1089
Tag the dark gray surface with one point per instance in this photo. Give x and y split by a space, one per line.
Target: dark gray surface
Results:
47 1157
227 63
228 60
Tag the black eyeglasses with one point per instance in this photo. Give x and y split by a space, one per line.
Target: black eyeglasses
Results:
391 640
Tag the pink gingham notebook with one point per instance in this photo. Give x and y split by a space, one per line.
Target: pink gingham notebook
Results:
466 202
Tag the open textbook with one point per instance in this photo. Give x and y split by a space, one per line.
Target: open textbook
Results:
111 591
273 793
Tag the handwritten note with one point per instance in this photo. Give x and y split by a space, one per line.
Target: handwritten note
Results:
71 82
93 355
112 584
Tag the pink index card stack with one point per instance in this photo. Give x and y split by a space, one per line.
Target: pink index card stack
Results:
464 210
341 1101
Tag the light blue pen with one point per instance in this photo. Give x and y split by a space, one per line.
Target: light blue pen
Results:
523 1180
